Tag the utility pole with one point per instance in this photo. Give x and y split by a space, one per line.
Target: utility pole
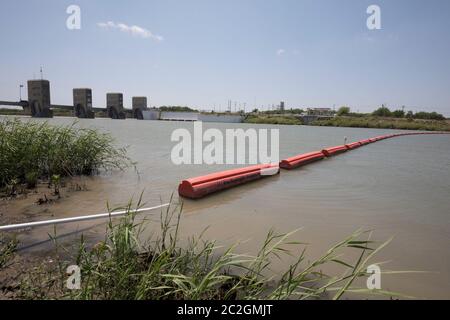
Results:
20 92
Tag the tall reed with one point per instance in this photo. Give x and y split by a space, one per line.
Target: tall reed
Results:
30 150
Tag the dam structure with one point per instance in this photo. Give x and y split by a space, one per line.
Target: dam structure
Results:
39 103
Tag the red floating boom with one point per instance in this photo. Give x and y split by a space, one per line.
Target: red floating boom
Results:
301 160
353 145
201 186
329 152
364 142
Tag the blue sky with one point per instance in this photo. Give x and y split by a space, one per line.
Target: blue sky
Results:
202 53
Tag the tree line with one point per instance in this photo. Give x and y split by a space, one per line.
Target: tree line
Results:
384 111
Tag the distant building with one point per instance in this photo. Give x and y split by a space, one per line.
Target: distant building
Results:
320 112
282 106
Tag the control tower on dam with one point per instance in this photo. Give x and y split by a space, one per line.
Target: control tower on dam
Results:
114 106
82 103
139 105
39 99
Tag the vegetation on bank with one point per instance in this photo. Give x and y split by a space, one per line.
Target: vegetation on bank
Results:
124 266
263 119
7 250
31 151
385 112
177 109
11 112
56 113
382 117
384 123
275 112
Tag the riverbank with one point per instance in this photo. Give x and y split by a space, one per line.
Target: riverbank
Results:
36 204
370 122
385 123
126 266
272 119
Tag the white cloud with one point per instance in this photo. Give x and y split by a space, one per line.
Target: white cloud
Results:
280 52
133 30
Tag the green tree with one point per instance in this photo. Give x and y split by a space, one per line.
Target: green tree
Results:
176 109
382 112
398 114
429 116
343 111
410 115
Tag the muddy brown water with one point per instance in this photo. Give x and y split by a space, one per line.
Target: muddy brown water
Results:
397 187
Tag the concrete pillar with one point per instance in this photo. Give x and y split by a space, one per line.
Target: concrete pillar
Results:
39 98
139 105
82 103
114 105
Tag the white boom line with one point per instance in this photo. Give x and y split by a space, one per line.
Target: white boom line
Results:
76 219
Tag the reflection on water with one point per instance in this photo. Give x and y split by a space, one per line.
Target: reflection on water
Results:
398 187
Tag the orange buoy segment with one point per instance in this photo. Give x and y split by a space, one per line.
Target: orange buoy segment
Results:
353 145
364 142
301 160
332 151
201 186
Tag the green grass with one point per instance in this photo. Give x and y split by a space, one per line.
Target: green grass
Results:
10 112
30 151
126 265
7 249
385 123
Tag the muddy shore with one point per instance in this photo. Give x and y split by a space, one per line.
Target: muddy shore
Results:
27 206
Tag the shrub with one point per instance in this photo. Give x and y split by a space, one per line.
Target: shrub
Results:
343 111
382 112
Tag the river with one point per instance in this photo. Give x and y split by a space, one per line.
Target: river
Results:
397 187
